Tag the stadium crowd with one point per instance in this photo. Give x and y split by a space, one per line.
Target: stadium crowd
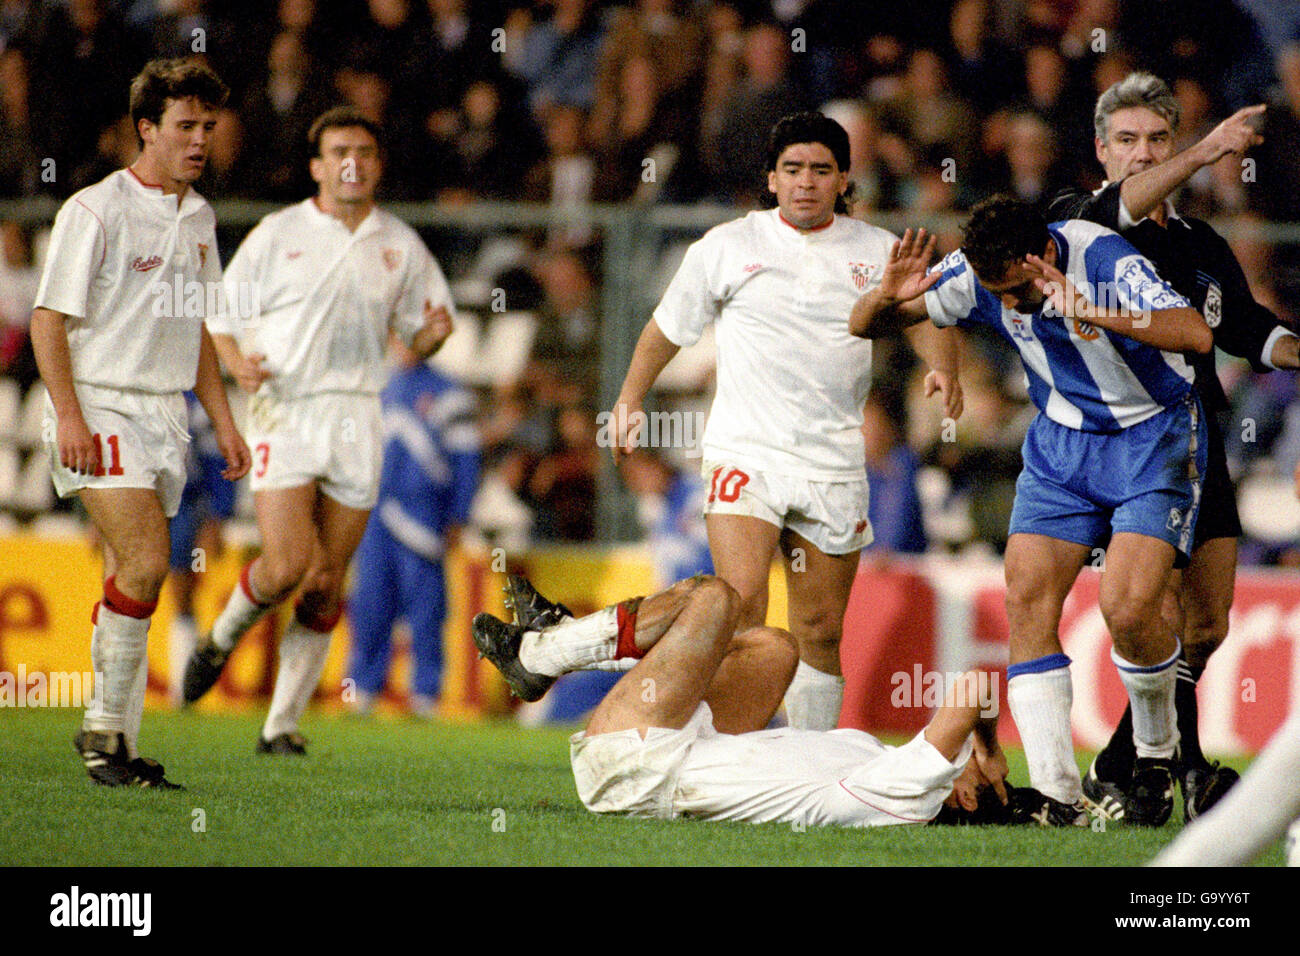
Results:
564 101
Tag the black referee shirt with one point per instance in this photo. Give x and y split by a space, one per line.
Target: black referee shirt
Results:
1200 266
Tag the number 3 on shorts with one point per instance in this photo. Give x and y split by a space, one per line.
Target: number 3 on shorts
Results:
115 466
264 454
728 488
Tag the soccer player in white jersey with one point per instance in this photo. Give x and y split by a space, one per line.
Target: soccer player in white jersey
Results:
782 449
116 356
1118 448
682 733
330 277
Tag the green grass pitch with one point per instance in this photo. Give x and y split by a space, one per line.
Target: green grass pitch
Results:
402 792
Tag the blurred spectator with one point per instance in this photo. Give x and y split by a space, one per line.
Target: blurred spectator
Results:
723 65
979 67
22 23
568 337
19 279
1029 168
736 155
878 161
1275 193
893 506
278 109
556 55
668 43
670 509
83 66
927 115
20 165
484 148
116 148
562 488
567 175
451 51
429 478
639 153
226 174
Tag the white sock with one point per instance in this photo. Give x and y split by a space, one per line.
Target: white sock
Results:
1151 693
302 661
572 645
1254 814
617 665
117 650
1040 702
240 613
135 707
182 638
814 699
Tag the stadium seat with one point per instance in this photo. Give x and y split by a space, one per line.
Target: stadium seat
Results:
505 348
457 357
10 462
1267 506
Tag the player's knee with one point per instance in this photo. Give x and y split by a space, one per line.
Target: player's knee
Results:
281 573
142 573
817 624
719 595
1128 618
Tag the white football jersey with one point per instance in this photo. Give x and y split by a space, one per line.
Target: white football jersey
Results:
318 301
136 274
791 378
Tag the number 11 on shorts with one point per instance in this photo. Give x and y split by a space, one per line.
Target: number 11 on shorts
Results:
115 466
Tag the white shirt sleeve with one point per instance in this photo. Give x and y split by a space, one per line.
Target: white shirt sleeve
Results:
76 253
210 269
952 298
689 304
1267 357
424 283
240 273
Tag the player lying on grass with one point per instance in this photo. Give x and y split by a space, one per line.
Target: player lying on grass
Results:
682 733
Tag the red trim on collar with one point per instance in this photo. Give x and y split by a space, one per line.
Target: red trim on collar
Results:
141 181
826 225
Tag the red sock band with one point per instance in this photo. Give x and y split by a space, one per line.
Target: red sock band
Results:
315 621
246 586
118 602
627 630
94 614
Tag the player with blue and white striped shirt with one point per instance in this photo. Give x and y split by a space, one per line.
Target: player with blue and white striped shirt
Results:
1118 449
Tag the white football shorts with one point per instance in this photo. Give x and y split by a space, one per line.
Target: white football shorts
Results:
143 438
335 439
832 515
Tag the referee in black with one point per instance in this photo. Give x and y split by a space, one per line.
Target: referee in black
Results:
1135 121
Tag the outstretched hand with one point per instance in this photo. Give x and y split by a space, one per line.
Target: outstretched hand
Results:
1233 135
905 275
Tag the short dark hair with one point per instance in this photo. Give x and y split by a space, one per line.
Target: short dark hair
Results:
808 128
1001 231
174 79
341 117
811 127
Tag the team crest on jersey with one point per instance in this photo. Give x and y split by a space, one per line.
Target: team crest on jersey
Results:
1020 328
391 259
203 254
861 272
1213 306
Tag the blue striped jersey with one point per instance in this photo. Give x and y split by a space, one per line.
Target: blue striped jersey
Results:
1080 376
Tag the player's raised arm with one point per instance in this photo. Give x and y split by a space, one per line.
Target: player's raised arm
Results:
1142 192
653 352
50 344
1179 329
938 349
896 302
